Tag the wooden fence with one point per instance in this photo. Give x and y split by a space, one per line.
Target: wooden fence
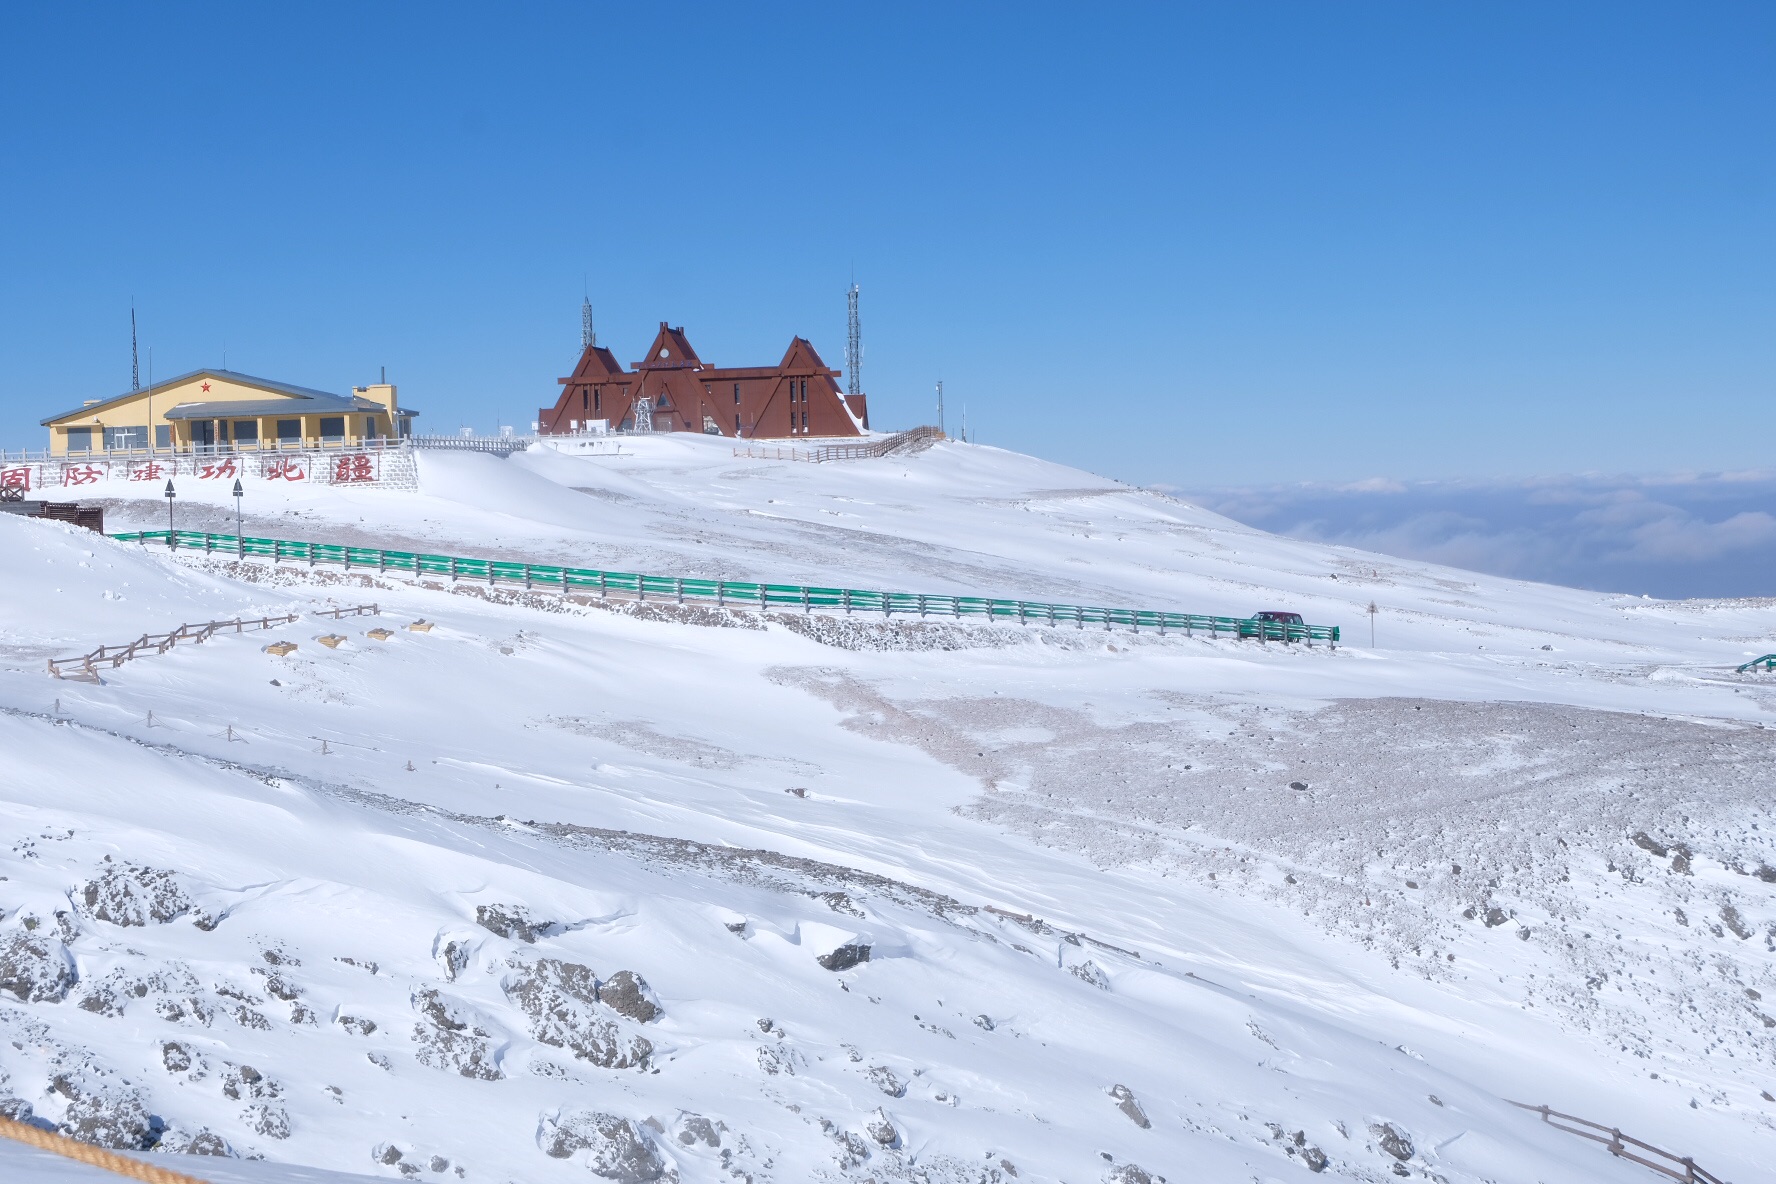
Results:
86 665
1678 1167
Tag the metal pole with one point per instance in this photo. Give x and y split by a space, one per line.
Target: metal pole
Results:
172 539
240 541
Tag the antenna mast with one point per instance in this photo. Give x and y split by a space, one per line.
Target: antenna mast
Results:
135 369
940 415
853 343
588 335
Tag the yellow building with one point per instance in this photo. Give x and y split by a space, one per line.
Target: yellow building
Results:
221 411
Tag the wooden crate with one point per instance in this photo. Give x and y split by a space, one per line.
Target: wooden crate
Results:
378 634
281 649
421 626
331 640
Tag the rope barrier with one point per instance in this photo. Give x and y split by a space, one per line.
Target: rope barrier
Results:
98 1157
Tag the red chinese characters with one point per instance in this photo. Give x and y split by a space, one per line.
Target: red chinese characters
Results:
148 470
285 469
81 474
215 469
19 479
349 470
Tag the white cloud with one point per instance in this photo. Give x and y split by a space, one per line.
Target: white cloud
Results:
1688 534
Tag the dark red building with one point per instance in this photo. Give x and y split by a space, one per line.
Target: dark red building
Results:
673 390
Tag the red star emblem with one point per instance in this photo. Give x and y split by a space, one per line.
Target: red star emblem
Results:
206 387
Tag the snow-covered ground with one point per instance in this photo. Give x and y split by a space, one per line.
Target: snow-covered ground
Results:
557 887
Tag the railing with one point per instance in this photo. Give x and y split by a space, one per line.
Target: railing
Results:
498 445
1678 1167
738 594
227 448
864 451
86 665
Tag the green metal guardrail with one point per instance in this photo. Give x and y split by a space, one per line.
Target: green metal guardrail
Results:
732 593
1768 662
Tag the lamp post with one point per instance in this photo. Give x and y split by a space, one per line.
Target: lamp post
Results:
1372 611
240 543
172 539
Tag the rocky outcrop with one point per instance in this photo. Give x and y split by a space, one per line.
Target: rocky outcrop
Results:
35 968
559 999
614 1147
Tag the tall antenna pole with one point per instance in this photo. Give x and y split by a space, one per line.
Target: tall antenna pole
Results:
853 343
135 370
940 415
588 335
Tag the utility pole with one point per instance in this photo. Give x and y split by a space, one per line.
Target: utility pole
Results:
135 370
1372 611
940 414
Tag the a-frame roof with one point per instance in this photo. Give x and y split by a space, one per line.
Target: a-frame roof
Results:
596 364
671 350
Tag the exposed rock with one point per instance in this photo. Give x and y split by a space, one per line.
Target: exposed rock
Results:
627 994
1392 1140
357 1025
694 1129
35 968
1126 1102
267 1120
615 1148
775 1059
1495 917
450 1042
1131 1173
1732 920
438 1163
1088 971
558 998
453 958
16 1109
126 894
879 1128
201 1142
104 1117
845 957
1647 843
883 1078
511 920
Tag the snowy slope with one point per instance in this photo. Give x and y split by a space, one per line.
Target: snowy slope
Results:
403 954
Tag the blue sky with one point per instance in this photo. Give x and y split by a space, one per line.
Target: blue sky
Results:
1200 245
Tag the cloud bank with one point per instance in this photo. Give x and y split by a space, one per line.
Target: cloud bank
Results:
1674 536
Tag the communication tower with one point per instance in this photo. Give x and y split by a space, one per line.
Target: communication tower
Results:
853 344
588 335
135 368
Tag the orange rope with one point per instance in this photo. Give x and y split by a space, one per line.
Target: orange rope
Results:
123 1165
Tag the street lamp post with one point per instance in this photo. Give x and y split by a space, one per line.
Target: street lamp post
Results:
172 539
240 542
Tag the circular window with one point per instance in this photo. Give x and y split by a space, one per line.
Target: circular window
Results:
664 352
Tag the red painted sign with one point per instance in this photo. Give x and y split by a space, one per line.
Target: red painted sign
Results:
348 470
285 469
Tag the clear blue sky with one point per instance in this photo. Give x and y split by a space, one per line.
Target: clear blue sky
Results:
1187 243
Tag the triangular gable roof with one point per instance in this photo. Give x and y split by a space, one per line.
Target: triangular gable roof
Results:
264 384
670 349
596 363
801 355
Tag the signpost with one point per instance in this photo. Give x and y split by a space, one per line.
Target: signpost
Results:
172 538
240 542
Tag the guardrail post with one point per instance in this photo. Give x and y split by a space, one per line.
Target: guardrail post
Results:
453 569
527 577
1020 612
603 590
678 589
806 608
845 595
